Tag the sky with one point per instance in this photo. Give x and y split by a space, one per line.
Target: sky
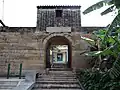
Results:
23 13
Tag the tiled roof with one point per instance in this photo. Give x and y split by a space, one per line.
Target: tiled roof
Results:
58 6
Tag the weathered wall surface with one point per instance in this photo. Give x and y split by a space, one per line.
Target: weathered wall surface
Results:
16 48
46 17
79 46
28 48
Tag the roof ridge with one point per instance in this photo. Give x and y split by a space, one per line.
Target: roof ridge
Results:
59 5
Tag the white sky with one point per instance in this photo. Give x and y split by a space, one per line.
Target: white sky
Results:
23 13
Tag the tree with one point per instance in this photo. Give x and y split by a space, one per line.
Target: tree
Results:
114 5
110 43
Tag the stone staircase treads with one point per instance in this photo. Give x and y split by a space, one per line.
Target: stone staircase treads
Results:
59 65
58 89
58 74
57 79
61 69
56 86
8 85
57 82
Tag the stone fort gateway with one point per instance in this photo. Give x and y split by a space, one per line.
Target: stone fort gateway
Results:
54 42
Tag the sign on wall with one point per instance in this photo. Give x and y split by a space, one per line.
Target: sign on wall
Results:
58 29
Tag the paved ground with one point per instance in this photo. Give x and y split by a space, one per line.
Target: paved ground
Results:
8 84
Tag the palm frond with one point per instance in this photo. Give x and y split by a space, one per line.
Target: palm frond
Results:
108 10
115 23
109 2
90 41
94 53
117 3
95 7
115 70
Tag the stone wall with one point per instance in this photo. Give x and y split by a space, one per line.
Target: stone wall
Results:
16 48
28 48
46 17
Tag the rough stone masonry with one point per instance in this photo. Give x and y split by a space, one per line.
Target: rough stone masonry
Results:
27 45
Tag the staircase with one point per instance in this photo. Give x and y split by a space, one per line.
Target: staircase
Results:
57 79
59 65
8 85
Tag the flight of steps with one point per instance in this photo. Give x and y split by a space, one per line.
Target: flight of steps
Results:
57 79
8 85
59 65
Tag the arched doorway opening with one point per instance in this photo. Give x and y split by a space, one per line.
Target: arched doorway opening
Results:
58 52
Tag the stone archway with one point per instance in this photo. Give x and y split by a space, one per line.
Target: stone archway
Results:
57 40
67 36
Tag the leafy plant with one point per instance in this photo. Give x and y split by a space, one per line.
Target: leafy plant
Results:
106 76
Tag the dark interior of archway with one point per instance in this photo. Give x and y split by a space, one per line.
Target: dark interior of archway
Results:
58 40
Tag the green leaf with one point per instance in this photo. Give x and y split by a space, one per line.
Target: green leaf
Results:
100 33
87 39
118 30
95 7
111 40
107 51
108 10
115 23
94 53
115 70
90 41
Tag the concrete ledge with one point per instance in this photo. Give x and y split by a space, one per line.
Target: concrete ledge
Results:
19 80
8 84
28 83
24 85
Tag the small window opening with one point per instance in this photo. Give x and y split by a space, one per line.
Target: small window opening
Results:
59 13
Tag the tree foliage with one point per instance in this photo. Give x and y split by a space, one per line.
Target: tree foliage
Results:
106 76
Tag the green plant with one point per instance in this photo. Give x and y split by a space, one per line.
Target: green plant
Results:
97 80
107 78
108 52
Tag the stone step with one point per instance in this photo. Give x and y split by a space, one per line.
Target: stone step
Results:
49 79
61 72
69 71
59 65
59 77
8 82
60 69
56 86
7 87
56 89
56 75
56 82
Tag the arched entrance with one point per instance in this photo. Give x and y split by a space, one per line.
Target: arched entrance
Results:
58 52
